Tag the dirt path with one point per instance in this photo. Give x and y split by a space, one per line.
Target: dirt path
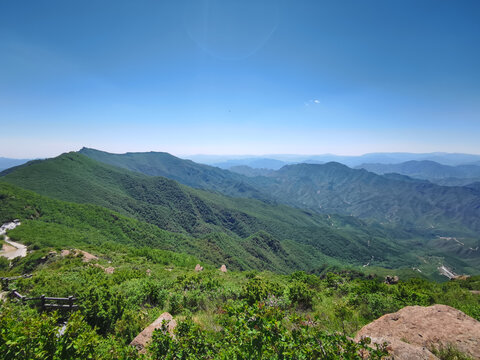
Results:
18 250
11 249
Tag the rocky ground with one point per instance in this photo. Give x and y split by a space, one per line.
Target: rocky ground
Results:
414 331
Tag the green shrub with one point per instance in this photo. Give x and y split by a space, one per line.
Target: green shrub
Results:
258 289
449 352
301 295
4 263
102 307
256 332
175 303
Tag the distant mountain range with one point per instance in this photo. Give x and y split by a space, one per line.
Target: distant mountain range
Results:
255 163
249 171
430 170
6 163
276 161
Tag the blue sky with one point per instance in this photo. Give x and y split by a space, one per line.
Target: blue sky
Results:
239 77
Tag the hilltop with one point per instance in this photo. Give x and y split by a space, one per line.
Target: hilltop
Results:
186 172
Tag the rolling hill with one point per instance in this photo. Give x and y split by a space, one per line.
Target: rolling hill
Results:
270 235
53 223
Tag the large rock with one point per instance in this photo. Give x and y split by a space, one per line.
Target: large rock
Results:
401 350
391 280
86 256
198 268
141 340
411 332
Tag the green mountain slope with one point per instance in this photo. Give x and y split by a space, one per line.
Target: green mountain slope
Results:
184 171
174 207
330 188
48 222
337 188
247 232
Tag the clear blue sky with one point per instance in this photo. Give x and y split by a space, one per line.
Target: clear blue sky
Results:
239 77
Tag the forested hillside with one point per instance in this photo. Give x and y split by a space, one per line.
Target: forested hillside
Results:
225 225
246 232
331 188
184 171
337 188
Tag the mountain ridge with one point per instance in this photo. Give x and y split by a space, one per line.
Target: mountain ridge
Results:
336 188
175 207
429 170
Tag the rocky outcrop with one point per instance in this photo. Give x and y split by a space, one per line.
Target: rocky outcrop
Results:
401 350
411 332
198 268
390 280
141 340
460 277
86 256
65 252
75 252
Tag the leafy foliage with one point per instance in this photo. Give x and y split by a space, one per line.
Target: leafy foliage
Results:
232 315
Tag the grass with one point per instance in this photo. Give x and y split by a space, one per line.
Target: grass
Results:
449 352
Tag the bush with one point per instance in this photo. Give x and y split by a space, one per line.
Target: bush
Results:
4 263
449 353
175 303
256 332
258 289
25 334
301 295
102 307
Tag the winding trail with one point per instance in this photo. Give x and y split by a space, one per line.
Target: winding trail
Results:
13 249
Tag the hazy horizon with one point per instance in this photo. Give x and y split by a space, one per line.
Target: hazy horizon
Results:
229 77
245 155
